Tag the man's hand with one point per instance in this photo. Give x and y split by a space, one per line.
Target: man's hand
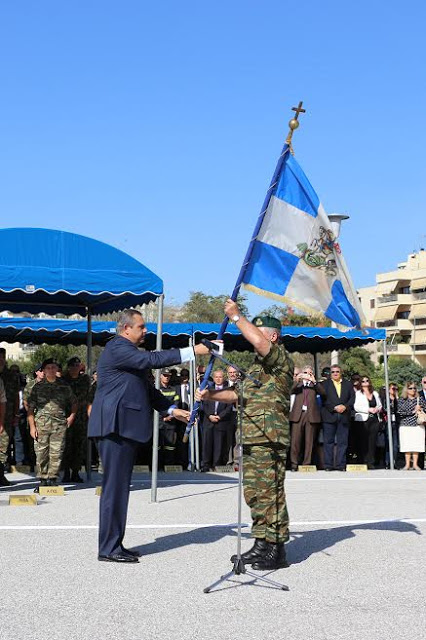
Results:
214 418
167 418
181 414
70 420
201 349
340 408
34 432
231 309
201 395
1 428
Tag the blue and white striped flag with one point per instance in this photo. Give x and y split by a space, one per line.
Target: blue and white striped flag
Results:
295 257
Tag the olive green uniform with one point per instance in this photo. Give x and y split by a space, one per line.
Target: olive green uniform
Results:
76 441
266 439
51 403
11 386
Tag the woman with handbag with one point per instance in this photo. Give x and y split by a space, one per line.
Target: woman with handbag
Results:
412 413
367 409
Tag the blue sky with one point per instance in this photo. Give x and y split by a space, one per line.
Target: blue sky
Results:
156 127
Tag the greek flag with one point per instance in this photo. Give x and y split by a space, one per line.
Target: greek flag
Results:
294 256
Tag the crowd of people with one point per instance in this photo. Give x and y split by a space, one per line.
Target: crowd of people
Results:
333 421
343 421
43 419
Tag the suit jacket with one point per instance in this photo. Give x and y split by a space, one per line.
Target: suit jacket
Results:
347 397
125 396
313 411
224 411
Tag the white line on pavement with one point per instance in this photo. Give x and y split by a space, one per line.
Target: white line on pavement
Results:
230 525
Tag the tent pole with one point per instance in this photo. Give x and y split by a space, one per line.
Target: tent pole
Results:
156 425
192 435
316 369
389 413
89 372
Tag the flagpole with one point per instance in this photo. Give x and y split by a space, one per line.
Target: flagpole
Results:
287 148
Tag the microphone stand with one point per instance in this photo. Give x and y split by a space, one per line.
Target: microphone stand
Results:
239 567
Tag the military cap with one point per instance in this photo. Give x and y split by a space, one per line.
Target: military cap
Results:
73 360
38 367
267 321
166 372
48 361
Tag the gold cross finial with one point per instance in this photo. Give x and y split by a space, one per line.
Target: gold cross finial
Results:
294 123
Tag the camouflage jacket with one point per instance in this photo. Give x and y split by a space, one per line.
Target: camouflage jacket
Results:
29 387
51 402
266 408
11 387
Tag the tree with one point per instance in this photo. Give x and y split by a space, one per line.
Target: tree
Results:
401 370
202 307
60 353
357 360
288 317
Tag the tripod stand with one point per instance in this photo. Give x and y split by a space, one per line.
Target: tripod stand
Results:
239 566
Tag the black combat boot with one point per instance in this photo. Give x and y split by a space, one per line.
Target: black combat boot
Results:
274 558
43 483
67 475
4 482
257 551
75 477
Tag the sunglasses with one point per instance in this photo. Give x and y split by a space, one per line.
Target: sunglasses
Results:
411 387
365 380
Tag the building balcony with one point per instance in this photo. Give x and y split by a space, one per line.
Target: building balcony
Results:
397 324
399 298
400 349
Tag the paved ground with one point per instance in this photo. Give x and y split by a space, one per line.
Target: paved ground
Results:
357 556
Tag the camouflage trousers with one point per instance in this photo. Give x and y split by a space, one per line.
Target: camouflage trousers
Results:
264 474
49 449
75 446
5 438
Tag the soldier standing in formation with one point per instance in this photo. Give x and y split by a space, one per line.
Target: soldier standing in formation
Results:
4 438
76 441
52 407
167 433
11 418
266 437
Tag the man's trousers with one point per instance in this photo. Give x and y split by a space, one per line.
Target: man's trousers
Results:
117 455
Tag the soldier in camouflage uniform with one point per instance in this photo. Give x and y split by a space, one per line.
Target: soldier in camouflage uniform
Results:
51 411
4 482
266 437
76 442
11 386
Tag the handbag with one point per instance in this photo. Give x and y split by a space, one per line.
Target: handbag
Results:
421 415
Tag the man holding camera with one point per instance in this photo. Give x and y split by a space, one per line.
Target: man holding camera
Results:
305 416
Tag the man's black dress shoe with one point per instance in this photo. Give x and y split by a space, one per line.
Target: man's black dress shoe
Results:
135 554
118 557
329 469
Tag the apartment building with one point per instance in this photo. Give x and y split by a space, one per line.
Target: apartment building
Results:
398 303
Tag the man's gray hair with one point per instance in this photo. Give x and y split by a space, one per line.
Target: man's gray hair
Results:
126 317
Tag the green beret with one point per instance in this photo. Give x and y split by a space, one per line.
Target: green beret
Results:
267 321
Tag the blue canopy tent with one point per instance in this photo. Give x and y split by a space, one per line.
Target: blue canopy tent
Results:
56 272
176 335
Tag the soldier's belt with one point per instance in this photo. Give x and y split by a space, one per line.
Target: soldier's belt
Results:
275 446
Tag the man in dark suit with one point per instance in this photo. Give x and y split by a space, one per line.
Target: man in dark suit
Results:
305 416
336 415
218 417
121 418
